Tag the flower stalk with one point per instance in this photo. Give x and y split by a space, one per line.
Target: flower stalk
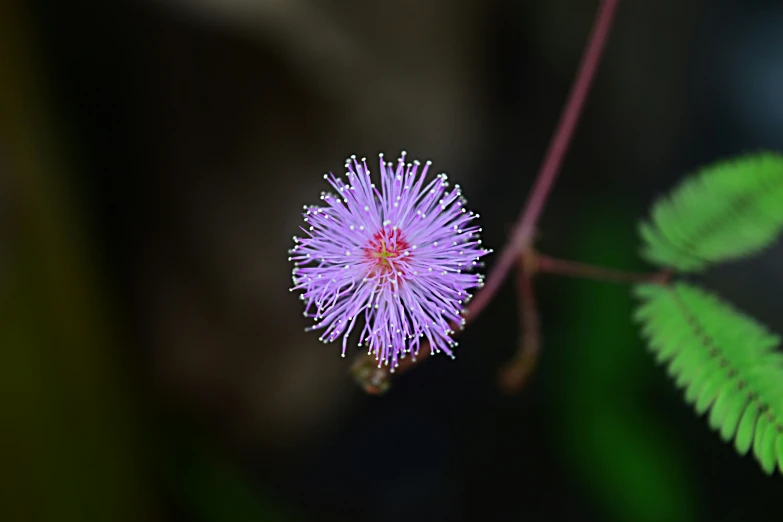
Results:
523 233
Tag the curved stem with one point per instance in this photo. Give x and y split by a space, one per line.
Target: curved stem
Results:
516 372
374 379
522 235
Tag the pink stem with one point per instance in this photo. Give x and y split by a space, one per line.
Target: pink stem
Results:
375 380
522 235
516 372
553 265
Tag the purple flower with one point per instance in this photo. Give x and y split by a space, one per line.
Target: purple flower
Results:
399 256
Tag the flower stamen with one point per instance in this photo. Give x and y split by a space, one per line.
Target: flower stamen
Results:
385 250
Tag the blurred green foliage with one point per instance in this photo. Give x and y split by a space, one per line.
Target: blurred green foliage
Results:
614 440
75 445
69 427
210 485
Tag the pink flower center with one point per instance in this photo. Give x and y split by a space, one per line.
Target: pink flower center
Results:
388 251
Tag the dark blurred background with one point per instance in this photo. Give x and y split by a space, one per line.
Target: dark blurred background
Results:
154 157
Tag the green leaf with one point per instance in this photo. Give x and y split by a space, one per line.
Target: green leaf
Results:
726 211
746 429
736 405
767 450
727 363
780 453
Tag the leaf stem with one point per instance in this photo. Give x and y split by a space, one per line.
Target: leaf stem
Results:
553 265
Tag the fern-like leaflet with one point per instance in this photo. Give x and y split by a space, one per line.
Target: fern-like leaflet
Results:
725 361
726 211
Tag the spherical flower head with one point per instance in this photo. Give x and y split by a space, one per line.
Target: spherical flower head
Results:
399 258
